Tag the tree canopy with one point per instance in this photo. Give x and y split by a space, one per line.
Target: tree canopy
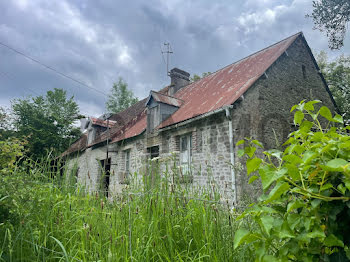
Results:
332 16
337 75
47 122
196 77
120 97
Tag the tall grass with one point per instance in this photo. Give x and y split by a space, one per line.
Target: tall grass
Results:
44 218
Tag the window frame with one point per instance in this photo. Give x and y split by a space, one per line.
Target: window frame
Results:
186 165
127 160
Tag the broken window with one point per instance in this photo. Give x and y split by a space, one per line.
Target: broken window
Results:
185 153
106 170
153 151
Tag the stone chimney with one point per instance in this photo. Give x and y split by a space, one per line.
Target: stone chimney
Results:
179 79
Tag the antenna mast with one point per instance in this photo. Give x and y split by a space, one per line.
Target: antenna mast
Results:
167 52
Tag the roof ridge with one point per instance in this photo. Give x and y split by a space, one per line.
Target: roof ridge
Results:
167 95
299 33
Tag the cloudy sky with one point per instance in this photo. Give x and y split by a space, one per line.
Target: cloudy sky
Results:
98 41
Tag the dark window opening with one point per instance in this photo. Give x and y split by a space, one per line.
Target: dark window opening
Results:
153 151
106 171
303 68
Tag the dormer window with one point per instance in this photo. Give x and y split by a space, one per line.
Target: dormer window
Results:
159 108
96 126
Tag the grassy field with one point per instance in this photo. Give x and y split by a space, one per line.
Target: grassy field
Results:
44 219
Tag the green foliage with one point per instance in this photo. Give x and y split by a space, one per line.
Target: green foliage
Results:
196 77
47 121
10 150
337 75
52 220
120 98
304 212
332 16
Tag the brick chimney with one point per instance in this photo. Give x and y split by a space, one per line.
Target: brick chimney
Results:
179 79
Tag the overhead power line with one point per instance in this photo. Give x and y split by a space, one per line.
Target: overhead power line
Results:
51 68
7 75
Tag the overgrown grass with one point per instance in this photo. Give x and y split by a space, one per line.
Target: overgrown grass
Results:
46 219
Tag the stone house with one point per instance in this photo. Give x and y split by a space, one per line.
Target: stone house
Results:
202 121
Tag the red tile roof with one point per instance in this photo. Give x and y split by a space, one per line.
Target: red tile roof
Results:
225 86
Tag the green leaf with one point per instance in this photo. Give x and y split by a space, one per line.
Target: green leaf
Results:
298 117
240 236
253 164
336 164
306 126
293 220
339 119
285 231
250 150
269 175
347 184
240 142
317 233
326 186
332 241
243 236
252 179
293 108
293 171
310 105
294 205
240 152
256 142
326 113
277 191
267 223
341 188
293 159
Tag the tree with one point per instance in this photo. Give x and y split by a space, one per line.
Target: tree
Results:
332 16
337 75
196 77
47 122
120 97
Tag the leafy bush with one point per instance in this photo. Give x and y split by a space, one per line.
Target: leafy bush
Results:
303 214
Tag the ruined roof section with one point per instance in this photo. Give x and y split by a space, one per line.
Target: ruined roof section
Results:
165 99
78 145
101 122
122 119
225 86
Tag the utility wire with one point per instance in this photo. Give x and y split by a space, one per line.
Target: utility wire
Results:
12 78
51 68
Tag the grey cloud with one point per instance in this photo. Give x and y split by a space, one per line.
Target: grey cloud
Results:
98 41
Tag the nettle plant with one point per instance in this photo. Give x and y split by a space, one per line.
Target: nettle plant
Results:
304 212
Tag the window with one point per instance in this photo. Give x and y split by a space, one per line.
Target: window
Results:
153 151
185 153
127 161
153 118
303 68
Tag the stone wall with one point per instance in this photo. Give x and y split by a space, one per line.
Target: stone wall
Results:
262 113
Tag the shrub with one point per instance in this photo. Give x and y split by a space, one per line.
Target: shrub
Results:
303 214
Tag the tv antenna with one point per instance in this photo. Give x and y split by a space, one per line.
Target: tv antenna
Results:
168 51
